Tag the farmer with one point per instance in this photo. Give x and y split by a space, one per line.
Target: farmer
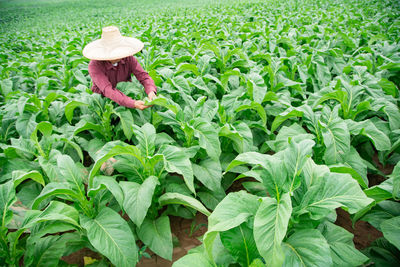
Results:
112 61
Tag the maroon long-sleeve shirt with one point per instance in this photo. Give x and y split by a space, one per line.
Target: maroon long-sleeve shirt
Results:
105 77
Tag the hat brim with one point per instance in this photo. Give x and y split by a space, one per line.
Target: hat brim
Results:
126 46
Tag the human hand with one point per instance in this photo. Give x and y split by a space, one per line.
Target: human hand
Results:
140 105
151 95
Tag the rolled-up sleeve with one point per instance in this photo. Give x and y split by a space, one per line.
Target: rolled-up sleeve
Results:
102 82
143 77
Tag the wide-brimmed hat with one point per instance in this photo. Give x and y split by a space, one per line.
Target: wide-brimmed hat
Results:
112 45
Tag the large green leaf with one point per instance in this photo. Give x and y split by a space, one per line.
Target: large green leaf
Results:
396 181
341 245
156 234
240 133
56 211
239 241
71 174
6 86
112 237
176 160
205 108
165 102
393 113
332 191
138 198
62 190
380 192
289 113
176 198
26 124
257 263
49 166
307 248
391 229
70 107
47 251
146 136
20 176
126 120
220 253
46 129
86 126
336 139
41 229
187 67
338 95
80 77
353 160
313 172
210 199
181 84
200 84
28 193
270 226
208 137
24 147
288 134
256 87
209 172
383 253
231 212
254 158
368 129
273 175
257 107
75 146
193 260
7 198
376 217
341 168
295 156
102 182
233 135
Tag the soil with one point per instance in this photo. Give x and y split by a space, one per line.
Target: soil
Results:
181 230
87 160
387 169
364 233
77 257
375 179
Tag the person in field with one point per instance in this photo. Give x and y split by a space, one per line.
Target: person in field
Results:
112 61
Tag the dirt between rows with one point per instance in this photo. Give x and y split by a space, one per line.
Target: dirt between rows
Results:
181 230
364 233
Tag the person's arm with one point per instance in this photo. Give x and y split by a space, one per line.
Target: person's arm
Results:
143 77
100 79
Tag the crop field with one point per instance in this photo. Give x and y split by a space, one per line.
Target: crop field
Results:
275 135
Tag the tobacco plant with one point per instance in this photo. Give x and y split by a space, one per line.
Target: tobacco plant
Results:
294 102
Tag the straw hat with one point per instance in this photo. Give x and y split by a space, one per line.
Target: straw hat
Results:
112 45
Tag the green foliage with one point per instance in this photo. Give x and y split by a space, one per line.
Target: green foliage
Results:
301 96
